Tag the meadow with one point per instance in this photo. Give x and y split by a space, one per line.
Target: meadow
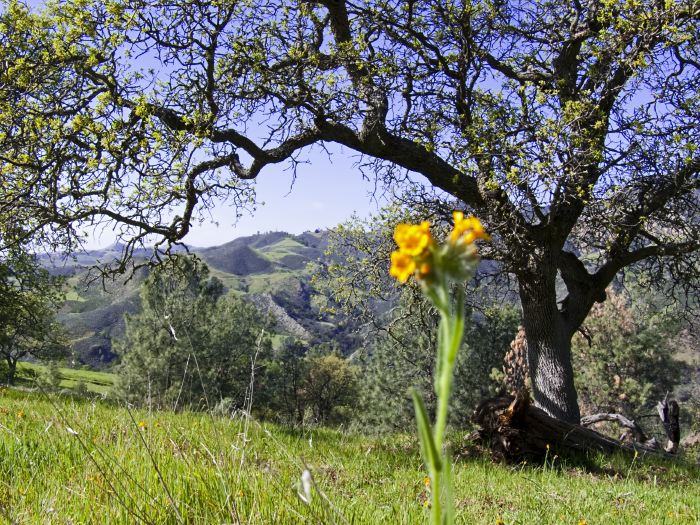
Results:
73 460
69 378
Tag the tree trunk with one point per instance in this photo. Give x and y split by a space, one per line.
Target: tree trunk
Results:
11 370
549 350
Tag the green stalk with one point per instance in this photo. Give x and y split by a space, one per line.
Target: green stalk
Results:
450 334
436 510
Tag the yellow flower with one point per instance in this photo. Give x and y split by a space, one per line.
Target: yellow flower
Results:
402 266
20 414
500 522
469 229
582 522
424 271
142 424
412 239
426 504
426 481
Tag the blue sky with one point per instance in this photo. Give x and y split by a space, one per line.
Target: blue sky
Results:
324 194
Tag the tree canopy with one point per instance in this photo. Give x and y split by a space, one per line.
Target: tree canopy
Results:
29 299
191 345
568 127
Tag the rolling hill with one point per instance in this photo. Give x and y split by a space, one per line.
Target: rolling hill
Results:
270 269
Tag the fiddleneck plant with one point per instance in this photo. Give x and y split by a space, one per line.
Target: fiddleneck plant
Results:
436 267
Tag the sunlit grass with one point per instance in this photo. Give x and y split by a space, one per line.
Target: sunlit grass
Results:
78 461
94 381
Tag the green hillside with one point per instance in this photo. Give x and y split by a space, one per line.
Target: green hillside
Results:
270 269
68 378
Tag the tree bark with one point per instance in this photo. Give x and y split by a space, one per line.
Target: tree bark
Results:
621 420
669 413
11 370
549 350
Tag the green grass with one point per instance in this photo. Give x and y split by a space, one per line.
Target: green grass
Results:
218 471
73 295
97 382
278 340
277 251
269 282
230 281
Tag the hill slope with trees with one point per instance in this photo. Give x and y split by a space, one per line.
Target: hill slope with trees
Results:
269 269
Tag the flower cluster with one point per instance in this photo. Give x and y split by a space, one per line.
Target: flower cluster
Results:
415 243
467 230
419 255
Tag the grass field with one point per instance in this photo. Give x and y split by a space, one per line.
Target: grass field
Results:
96 382
76 461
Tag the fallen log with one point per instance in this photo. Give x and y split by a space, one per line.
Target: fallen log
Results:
514 429
635 431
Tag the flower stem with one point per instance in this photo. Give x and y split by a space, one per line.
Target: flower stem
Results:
436 510
451 330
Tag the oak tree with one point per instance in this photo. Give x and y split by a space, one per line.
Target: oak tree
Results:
29 299
567 127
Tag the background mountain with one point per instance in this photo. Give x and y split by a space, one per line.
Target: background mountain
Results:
270 269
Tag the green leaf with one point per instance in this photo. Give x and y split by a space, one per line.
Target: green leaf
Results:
428 448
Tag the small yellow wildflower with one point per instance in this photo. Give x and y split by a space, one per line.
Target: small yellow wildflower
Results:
417 251
413 239
426 504
241 493
426 481
20 414
142 424
469 229
582 522
500 522
402 266
424 271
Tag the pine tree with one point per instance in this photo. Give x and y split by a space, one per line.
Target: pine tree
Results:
191 346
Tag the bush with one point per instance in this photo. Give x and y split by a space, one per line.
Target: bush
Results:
402 358
628 364
329 389
312 385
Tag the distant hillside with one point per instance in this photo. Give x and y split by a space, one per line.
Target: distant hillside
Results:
269 268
